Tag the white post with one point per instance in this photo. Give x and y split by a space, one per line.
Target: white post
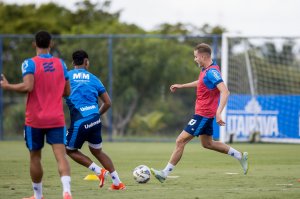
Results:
224 71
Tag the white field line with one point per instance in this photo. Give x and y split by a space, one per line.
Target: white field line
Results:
228 173
173 176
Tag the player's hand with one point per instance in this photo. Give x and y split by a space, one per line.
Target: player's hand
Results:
3 82
174 87
219 120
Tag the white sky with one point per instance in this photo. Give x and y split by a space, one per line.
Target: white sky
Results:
258 17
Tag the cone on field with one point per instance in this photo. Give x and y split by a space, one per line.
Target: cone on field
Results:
91 177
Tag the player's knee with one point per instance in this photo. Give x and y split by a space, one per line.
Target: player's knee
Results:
70 152
95 152
180 143
207 145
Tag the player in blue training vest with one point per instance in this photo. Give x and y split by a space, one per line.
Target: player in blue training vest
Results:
86 90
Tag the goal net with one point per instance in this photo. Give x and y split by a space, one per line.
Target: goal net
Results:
263 77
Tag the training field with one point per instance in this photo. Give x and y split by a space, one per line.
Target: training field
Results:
274 170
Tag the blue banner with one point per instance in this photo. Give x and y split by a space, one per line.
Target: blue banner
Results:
275 117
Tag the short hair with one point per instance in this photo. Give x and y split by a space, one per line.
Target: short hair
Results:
203 48
78 57
42 39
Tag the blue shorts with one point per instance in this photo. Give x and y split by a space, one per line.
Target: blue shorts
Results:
35 137
85 129
199 125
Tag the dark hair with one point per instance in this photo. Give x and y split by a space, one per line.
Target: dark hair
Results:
42 39
79 56
203 48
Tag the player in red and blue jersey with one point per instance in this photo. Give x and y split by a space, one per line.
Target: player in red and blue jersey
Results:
46 81
212 95
86 91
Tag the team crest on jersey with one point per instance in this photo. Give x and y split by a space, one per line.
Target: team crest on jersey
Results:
48 67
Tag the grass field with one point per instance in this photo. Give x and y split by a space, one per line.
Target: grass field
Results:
274 170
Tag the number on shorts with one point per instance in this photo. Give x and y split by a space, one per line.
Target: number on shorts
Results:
192 122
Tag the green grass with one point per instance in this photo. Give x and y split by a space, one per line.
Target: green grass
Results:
274 170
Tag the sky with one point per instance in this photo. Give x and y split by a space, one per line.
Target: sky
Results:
250 17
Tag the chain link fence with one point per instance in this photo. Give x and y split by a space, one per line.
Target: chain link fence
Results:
137 71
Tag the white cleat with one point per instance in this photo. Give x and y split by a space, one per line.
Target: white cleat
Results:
244 162
159 175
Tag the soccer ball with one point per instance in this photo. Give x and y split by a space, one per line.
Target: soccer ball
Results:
141 174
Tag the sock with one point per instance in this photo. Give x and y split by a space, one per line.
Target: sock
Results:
95 168
168 168
66 182
115 178
38 190
234 153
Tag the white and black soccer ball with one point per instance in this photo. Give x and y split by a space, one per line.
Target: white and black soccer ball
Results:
141 174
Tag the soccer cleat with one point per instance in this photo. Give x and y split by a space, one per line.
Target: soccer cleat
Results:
244 162
159 175
32 197
67 196
121 186
102 176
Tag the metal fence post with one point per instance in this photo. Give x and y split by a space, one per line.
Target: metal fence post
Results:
1 91
110 86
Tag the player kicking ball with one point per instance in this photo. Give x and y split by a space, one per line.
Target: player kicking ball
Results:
212 95
86 125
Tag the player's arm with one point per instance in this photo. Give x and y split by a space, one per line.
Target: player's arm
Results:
106 103
187 85
23 87
224 94
67 89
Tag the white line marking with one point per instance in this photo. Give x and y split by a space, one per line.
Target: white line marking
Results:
228 173
284 184
173 177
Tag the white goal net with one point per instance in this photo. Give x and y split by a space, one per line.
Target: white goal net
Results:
263 76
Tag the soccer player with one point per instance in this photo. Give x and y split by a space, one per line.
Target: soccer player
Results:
86 90
212 95
45 80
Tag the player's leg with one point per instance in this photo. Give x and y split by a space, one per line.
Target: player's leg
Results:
209 143
85 161
95 145
181 141
35 141
107 163
76 137
206 132
79 157
185 136
56 138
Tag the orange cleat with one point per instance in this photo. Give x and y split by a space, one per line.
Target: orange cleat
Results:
102 176
121 186
67 196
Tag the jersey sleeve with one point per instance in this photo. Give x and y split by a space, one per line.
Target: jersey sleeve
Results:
100 87
28 67
214 76
65 69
